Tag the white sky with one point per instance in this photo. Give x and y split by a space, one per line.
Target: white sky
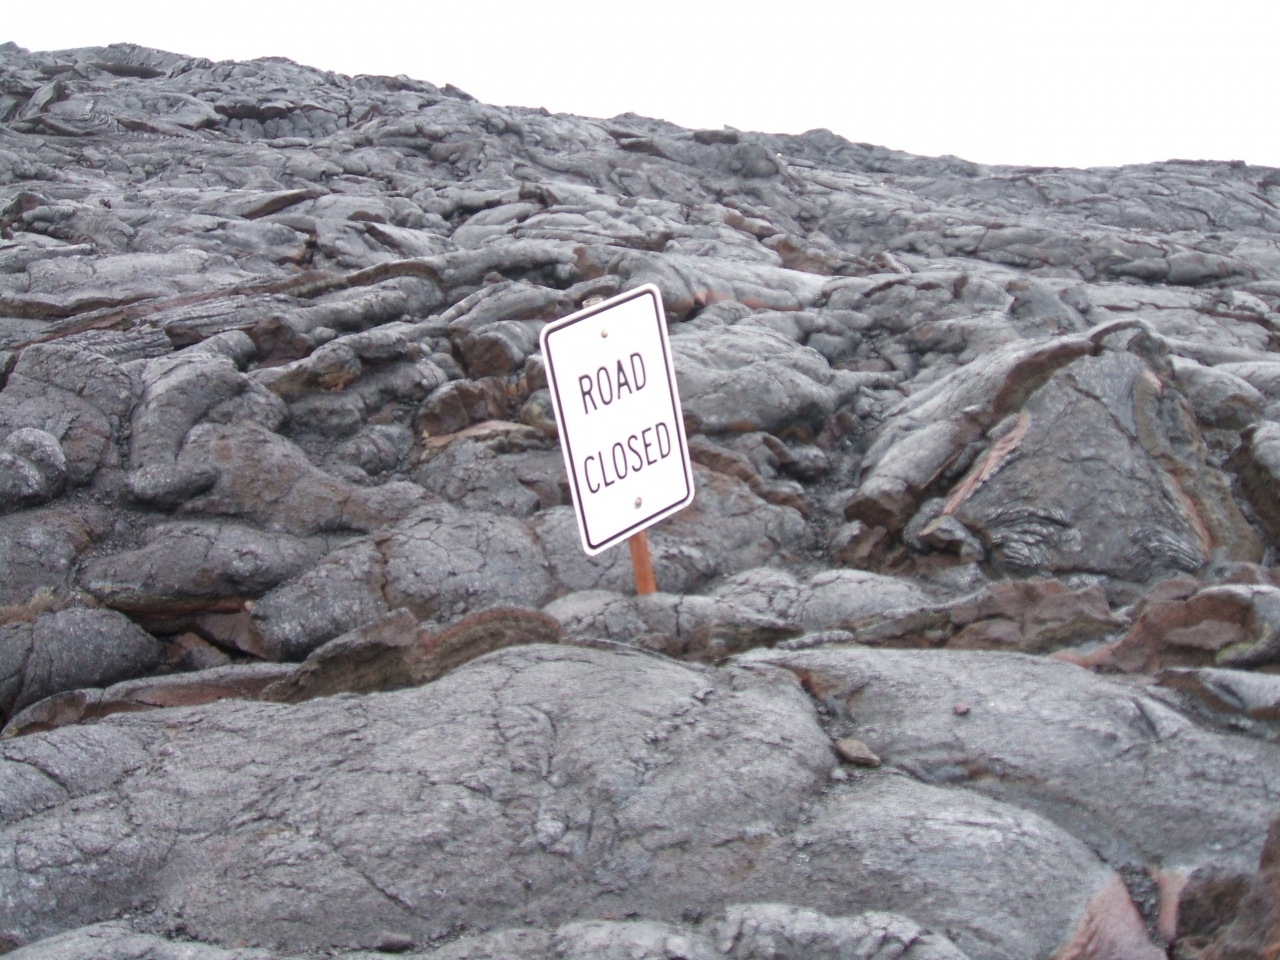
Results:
1082 83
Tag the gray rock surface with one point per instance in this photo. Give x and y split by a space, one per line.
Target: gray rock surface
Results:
748 932
751 377
556 785
49 391
753 608
1240 691
267 480
42 547
244 680
472 475
524 799
1173 508
1103 758
71 648
1258 461
726 529
197 565
439 563
33 467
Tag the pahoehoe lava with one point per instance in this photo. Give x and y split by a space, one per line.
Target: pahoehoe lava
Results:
968 647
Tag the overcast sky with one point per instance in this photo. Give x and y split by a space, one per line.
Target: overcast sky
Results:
1081 83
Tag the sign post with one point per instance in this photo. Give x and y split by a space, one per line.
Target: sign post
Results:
613 388
642 563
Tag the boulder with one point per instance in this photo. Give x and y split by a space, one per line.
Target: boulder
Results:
1178 625
454 406
1099 435
595 778
840 597
927 432
957 841
749 377
39 548
1262 375
1258 464
266 479
179 391
440 563
78 398
472 475
191 566
1223 914
1031 616
1256 695
67 649
1102 758
33 468
1219 398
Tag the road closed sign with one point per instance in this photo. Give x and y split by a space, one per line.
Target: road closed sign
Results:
613 387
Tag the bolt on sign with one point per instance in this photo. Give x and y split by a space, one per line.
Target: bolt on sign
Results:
613 387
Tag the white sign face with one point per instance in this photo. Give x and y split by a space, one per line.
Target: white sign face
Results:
613 386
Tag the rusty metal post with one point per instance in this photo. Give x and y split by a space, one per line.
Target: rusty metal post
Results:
642 563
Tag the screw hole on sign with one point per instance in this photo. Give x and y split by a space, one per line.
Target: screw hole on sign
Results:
604 333
638 502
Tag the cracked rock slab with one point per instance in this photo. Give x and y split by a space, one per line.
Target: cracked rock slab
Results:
538 785
1129 774
540 782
